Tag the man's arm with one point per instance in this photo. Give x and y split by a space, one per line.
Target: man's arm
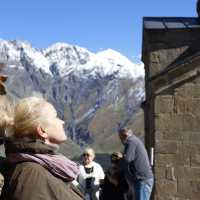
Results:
129 151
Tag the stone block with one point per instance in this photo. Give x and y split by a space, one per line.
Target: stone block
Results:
187 106
180 198
183 155
184 188
165 173
195 155
184 147
195 160
163 160
155 64
188 189
167 122
169 197
195 187
180 105
195 138
176 135
191 122
185 91
159 135
196 90
177 122
170 173
181 159
193 106
160 172
187 173
166 147
165 187
189 90
164 104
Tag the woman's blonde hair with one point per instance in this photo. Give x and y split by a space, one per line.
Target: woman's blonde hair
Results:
29 113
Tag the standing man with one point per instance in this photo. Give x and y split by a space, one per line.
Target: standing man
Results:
137 165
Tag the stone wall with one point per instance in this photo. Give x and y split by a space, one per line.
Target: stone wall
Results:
172 111
177 145
4 107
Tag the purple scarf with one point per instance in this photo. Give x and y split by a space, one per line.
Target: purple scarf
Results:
58 165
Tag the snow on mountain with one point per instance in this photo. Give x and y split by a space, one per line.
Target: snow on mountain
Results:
120 63
69 58
38 60
12 51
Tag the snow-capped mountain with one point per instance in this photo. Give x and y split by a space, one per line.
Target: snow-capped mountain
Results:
92 92
107 62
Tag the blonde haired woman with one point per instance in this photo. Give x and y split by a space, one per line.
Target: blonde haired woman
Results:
33 170
91 175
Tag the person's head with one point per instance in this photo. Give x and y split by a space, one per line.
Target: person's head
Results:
36 118
116 157
88 156
124 133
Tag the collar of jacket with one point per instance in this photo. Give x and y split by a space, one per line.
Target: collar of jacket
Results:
127 139
28 145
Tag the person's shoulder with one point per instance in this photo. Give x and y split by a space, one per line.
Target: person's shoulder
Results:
81 167
38 181
134 138
28 174
36 173
97 165
31 169
94 163
30 165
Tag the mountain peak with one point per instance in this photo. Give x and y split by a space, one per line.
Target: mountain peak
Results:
109 52
58 46
126 67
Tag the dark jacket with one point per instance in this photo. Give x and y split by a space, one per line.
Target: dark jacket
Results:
31 181
115 185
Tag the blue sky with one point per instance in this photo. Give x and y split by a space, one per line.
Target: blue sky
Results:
93 24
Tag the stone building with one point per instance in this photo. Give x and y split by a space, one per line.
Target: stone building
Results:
5 109
171 54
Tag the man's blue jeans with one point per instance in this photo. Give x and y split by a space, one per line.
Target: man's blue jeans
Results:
143 189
